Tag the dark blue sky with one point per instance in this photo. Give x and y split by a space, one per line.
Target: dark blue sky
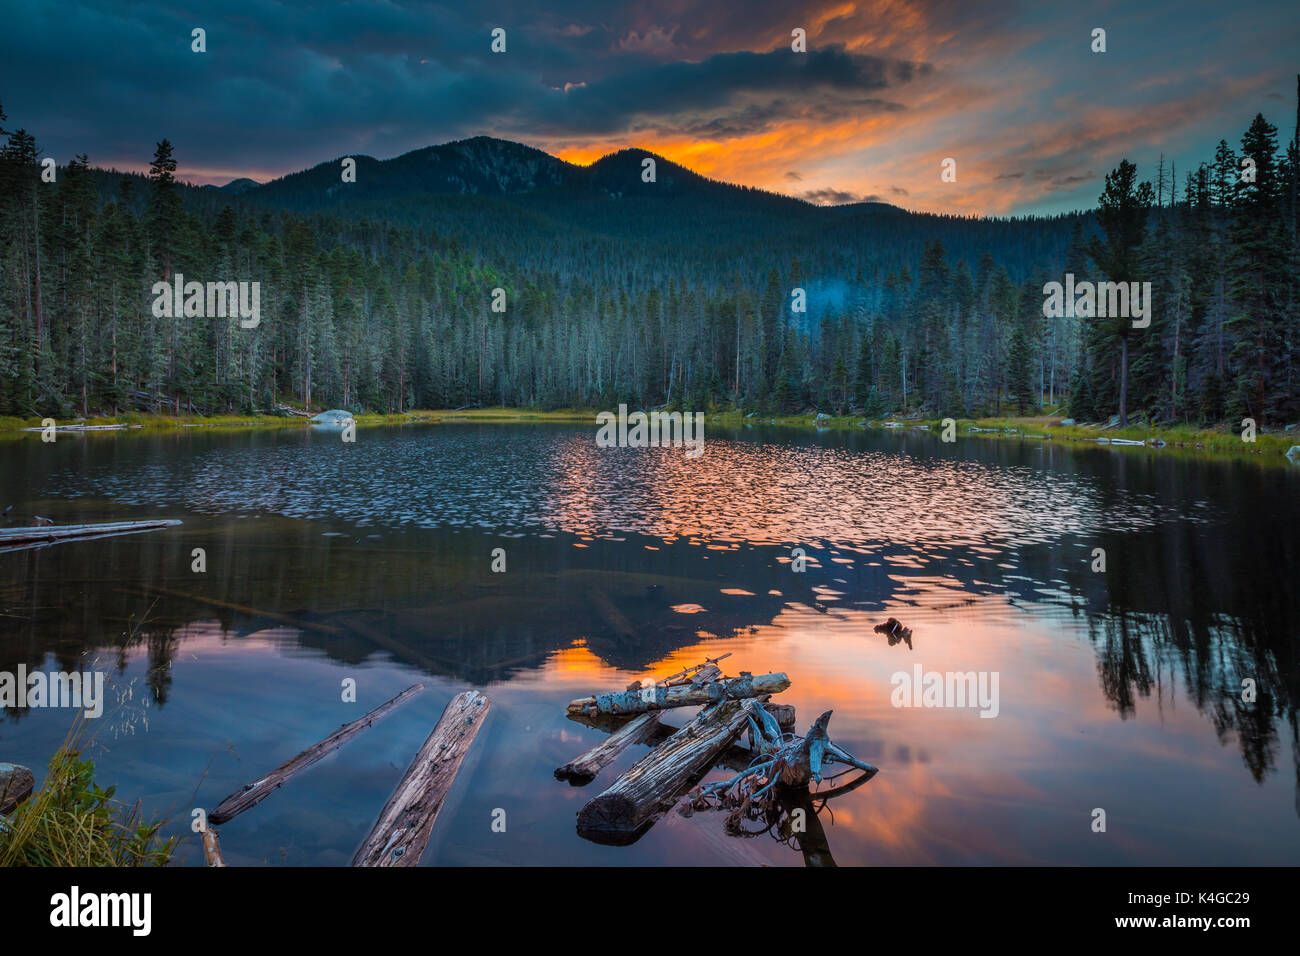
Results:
885 92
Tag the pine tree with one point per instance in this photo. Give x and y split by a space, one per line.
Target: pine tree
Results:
1122 213
1019 379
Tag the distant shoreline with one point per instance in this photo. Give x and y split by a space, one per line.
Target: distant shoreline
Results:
1219 442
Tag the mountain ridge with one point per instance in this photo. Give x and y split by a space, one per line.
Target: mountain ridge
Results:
487 165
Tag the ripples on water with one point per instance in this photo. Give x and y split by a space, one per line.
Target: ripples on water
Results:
751 492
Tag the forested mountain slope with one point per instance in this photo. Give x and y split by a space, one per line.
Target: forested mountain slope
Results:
379 293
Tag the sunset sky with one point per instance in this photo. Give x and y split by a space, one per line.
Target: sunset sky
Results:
885 92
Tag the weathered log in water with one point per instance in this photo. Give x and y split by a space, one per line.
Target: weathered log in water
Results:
611 615
401 833
736 757
653 783
148 590
212 848
254 793
784 714
14 538
582 770
695 674
680 695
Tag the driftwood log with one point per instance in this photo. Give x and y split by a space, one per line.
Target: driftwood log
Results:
254 793
661 697
653 783
401 833
695 674
35 536
212 848
583 770
735 757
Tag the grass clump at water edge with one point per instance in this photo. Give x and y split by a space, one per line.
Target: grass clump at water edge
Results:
71 821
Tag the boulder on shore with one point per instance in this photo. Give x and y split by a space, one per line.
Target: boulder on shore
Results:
16 785
335 416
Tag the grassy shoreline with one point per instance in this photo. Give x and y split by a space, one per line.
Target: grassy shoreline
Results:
1218 442
154 422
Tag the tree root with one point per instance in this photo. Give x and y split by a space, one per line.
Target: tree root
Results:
782 760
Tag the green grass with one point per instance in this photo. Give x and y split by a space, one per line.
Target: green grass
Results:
1221 441
165 422
71 821
1269 446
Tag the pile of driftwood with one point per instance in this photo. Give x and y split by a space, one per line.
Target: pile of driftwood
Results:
774 770
402 831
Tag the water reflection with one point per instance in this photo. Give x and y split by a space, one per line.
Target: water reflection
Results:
623 562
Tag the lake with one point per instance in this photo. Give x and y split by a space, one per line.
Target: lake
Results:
1118 689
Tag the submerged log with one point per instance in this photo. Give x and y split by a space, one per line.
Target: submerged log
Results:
402 831
148 590
611 615
654 782
583 770
680 695
254 793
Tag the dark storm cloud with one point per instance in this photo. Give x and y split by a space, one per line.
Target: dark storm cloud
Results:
684 87
288 83
283 85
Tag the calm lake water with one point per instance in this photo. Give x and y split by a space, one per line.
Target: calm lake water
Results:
1119 690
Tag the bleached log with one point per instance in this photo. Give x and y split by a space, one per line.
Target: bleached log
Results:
583 769
680 695
254 793
654 782
10 537
212 848
402 831
695 674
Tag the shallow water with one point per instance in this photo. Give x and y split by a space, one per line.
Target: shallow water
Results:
1118 690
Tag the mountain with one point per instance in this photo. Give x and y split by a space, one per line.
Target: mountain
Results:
516 204
237 187
480 187
485 166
